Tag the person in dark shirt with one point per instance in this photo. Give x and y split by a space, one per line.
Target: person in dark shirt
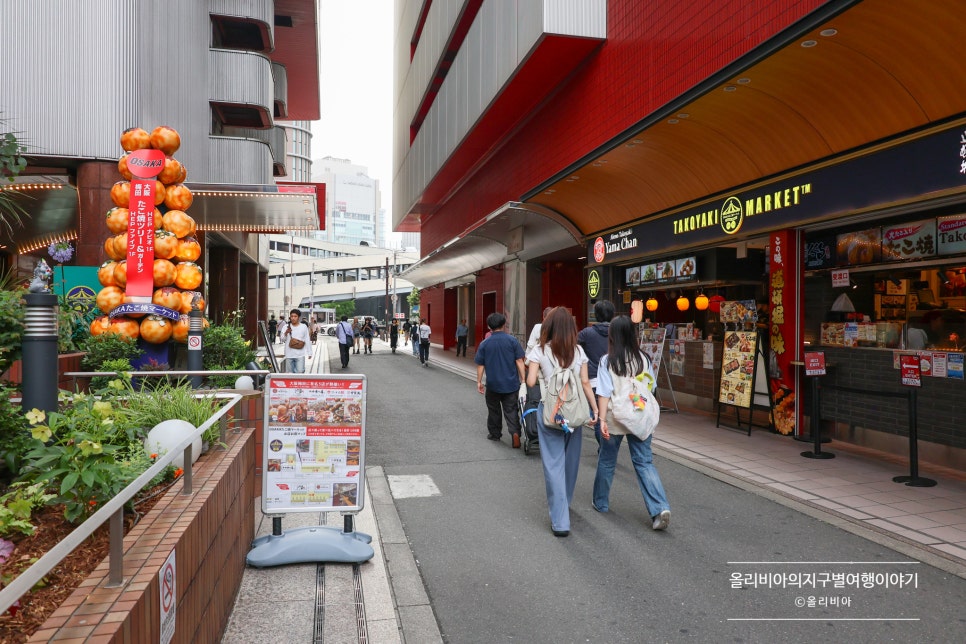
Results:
500 357
593 339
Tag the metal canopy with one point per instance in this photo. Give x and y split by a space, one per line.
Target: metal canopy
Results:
514 231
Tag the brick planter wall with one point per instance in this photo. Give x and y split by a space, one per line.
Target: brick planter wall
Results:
211 532
66 362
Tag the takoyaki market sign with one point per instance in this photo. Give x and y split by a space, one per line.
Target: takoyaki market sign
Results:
929 164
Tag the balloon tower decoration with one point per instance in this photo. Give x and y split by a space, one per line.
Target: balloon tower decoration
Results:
151 278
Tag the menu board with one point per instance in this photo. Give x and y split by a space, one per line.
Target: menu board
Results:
951 233
633 276
648 273
686 269
859 247
652 344
666 271
738 364
909 241
738 311
314 443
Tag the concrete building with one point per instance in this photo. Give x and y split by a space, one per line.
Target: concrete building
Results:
353 208
76 75
555 152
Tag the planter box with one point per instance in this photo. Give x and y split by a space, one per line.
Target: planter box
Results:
66 362
210 532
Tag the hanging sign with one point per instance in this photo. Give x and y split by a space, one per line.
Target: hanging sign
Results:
840 278
145 166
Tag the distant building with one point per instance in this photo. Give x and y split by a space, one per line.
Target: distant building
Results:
353 203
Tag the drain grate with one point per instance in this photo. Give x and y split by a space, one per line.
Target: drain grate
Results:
318 635
360 605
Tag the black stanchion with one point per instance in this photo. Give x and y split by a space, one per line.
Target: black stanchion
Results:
40 352
816 426
195 331
914 480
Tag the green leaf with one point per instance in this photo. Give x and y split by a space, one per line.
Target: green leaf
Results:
68 483
88 477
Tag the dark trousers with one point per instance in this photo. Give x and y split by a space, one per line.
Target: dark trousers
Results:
461 344
423 351
506 404
344 354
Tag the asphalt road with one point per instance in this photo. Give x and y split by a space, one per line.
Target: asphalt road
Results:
495 573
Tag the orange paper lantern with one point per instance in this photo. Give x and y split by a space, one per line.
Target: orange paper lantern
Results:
701 302
651 304
683 303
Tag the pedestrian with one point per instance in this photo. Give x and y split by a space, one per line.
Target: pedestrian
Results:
534 338
356 334
343 333
414 337
296 334
272 329
624 359
282 326
462 334
501 358
424 332
593 339
368 329
559 450
407 327
394 334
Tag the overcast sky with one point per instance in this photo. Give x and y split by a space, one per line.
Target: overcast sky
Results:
356 86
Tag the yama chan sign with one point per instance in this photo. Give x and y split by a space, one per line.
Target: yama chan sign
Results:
929 164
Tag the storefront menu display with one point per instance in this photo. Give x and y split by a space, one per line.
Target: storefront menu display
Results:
633 276
314 443
738 311
738 368
666 271
648 273
859 247
951 233
911 240
652 344
687 269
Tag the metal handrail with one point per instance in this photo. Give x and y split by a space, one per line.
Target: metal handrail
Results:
113 510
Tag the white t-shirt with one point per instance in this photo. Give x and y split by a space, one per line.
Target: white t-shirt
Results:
300 332
534 338
543 357
424 332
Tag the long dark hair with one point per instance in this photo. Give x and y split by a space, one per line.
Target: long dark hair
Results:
560 331
623 353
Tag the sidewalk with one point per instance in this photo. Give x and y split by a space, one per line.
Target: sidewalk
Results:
384 600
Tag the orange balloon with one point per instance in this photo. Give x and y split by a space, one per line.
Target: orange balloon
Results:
181 328
134 138
121 194
105 274
164 273
169 297
100 324
126 326
166 139
156 329
120 273
109 297
117 219
188 276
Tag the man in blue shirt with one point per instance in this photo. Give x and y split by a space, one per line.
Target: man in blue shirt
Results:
343 332
501 357
462 332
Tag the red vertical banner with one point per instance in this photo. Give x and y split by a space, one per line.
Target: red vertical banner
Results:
145 165
786 319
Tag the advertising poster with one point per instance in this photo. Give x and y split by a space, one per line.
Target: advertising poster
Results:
954 366
909 370
939 361
738 368
738 311
677 357
314 443
652 344
707 360
859 247
786 301
814 363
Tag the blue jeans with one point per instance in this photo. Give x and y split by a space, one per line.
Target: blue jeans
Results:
560 455
415 343
295 365
647 476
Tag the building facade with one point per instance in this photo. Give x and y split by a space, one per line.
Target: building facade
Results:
353 213
220 72
772 153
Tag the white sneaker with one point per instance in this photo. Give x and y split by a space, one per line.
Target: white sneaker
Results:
662 520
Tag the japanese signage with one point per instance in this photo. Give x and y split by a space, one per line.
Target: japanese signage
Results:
314 443
738 368
814 363
593 283
145 166
840 278
910 370
786 300
820 253
951 234
909 241
900 172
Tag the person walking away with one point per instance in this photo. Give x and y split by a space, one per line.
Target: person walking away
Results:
424 332
367 332
296 334
414 337
343 333
593 339
501 358
406 329
356 334
534 338
462 334
282 326
559 450
394 334
624 359
272 329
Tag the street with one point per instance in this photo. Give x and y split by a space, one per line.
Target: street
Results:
494 572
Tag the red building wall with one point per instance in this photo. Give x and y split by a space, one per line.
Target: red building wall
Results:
655 51
489 280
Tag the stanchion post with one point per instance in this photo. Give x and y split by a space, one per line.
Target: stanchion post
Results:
40 352
914 480
816 428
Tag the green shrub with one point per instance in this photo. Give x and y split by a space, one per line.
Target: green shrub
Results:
166 401
17 506
108 346
120 365
15 437
11 321
224 347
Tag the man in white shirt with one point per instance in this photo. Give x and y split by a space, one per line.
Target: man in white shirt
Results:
295 357
424 333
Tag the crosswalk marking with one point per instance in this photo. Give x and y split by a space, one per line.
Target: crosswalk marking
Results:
412 486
